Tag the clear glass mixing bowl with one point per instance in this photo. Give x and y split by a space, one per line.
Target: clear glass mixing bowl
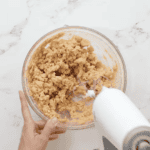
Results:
105 50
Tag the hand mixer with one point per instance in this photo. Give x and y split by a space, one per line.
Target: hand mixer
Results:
119 120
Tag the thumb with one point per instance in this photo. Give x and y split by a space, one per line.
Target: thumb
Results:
49 127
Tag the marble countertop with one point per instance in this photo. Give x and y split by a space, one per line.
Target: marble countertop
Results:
23 22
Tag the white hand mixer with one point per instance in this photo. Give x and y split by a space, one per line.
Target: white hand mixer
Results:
120 121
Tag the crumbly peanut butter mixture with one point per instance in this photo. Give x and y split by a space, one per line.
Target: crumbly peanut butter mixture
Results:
55 70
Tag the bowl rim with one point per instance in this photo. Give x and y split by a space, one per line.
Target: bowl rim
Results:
36 110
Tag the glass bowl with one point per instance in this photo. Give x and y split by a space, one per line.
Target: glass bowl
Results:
105 50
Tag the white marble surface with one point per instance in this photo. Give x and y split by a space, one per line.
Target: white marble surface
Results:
22 22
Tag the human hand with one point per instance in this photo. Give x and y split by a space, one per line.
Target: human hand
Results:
35 135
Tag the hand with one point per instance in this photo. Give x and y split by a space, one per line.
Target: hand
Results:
35 135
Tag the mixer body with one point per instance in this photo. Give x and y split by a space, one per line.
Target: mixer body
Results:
118 120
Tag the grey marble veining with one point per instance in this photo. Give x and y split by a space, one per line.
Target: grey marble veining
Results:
23 22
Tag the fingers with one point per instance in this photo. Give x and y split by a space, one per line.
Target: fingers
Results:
59 131
25 110
55 131
53 137
40 124
49 127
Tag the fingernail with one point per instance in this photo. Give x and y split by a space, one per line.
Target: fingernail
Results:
54 120
20 92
